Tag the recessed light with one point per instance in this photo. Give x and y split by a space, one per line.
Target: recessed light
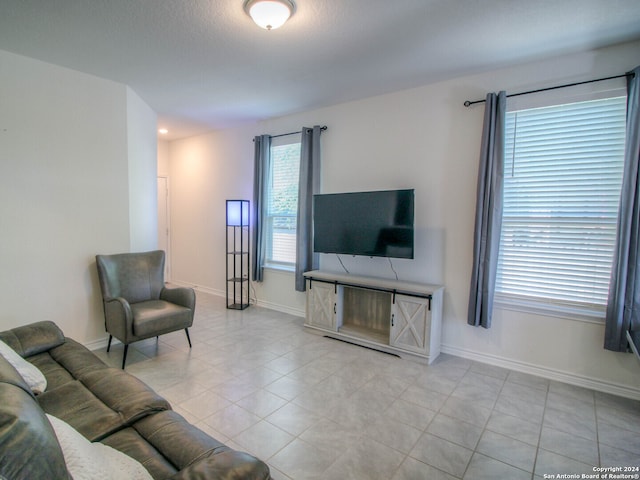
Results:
163 131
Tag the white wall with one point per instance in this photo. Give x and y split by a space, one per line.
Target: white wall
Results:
64 190
163 158
205 171
142 142
422 138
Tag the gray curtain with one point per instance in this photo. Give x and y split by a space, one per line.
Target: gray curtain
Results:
623 308
306 260
262 159
488 221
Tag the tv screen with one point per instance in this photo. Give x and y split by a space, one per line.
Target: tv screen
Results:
373 224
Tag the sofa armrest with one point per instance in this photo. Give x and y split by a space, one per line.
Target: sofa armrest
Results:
226 465
11 376
183 296
34 338
195 454
30 449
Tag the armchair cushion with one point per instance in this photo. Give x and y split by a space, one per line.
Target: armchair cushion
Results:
156 317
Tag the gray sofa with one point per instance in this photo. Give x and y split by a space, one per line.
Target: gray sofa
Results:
104 404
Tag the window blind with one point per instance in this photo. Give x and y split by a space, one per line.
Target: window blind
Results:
282 204
563 174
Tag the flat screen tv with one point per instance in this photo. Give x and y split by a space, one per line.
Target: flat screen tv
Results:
373 224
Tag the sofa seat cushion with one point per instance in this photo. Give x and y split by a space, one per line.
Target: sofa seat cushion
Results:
101 402
155 317
76 405
55 373
76 358
124 393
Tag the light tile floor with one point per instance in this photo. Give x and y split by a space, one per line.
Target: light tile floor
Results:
313 407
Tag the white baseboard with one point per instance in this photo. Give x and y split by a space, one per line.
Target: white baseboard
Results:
210 291
551 374
281 308
199 288
101 343
261 303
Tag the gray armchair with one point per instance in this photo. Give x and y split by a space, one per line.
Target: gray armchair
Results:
137 305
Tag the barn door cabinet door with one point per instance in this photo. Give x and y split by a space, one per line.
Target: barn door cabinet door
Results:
410 324
322 306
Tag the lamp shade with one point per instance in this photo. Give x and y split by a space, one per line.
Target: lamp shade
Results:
238 213
269 14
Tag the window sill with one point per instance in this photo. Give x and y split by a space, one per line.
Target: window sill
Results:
581 313
280 268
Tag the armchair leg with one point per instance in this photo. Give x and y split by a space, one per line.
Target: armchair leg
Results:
109 344
188 338
124 355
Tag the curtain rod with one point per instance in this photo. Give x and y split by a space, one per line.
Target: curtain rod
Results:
467 103
324 127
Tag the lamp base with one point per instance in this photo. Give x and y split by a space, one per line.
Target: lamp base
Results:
238 306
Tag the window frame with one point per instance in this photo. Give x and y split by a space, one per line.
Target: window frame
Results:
548 307
269 262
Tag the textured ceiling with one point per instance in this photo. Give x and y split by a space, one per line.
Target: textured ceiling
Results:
203 64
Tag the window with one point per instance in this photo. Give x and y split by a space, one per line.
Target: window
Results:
282 205
563 174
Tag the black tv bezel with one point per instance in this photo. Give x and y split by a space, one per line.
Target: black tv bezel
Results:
369 254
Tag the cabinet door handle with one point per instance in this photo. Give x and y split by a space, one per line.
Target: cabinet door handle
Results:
392 319
334 309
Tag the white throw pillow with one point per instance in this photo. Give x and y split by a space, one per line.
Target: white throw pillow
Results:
30 373
94 461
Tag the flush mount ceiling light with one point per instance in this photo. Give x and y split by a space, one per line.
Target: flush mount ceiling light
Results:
269 14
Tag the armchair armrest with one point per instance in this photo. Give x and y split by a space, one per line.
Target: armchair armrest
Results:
118 318
183 296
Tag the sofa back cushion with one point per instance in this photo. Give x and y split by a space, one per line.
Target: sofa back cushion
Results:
136 277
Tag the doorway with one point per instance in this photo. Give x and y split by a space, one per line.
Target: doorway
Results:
163 224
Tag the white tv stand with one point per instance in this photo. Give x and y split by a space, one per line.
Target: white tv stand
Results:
402 318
